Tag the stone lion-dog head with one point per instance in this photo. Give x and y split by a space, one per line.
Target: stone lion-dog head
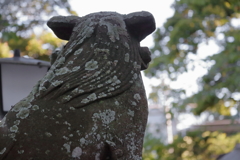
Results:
101 59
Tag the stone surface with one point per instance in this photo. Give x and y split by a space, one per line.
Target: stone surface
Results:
91 105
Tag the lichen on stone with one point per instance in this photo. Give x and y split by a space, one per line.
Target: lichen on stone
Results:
130 112
115 81
79 51
17 122
57 83
106 116
3 150
23 104
77 152
61 71
23 113
2 122
35 107
76 68
67 147
101 95
89 98
91 65
14 129
137 97
126 57
48 134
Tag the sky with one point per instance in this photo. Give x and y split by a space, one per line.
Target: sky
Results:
161 10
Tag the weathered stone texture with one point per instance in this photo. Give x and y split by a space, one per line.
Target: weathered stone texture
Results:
91 105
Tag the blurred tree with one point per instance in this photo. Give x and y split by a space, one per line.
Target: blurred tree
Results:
194 23
23 15
4 50
19 18
195 145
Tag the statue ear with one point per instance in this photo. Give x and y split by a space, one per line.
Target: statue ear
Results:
63 26
145 55
140 24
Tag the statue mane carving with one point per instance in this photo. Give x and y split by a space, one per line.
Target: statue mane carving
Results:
103 58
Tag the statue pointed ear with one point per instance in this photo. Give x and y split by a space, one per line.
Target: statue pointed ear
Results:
63 26
140 24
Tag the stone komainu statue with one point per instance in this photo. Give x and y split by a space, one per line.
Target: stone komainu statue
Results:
91 105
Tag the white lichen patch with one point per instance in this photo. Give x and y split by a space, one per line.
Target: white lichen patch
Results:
131 113
115 62
97 156
110 143
79 51
136 66
111 89
70 62
83 141
48 134
133 103
77 152
3 150
14 129
20 151
98 137
100 85
68 51
67 97
115 26
62 71
67 123
17 122
101 95
47 151
80 91
137 97
135 76
35 107
76 68
66 138
116 103
115 81
59 115
106 117
92 97
85 100
61 61
126 58
89 98
21 105
57 82
49 76
126 45
67 147
72 108
91 65
23 113
2 122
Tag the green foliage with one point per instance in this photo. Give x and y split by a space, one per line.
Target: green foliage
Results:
4 50
18 18
193 23
39 47
196 145
23 15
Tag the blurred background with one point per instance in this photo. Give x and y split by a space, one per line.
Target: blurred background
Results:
192 82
